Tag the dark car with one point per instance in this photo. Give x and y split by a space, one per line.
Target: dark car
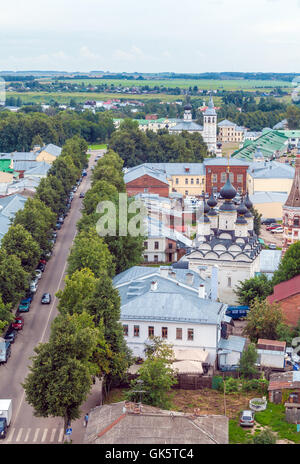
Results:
268 221
81 195
58 226
41 266
11 334
46 298
18 323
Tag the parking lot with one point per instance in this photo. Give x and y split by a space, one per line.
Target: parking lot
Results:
268 237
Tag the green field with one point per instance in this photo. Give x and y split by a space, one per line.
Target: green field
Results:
205 84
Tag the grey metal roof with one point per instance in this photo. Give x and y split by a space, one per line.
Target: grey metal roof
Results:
173 169
23 156
190 126
269 260
40 169
268 197
21 165
145 169
226 123
224 162
271 170
156 228
232 343
52 149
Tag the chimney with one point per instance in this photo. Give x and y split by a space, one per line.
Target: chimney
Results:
189 278
201 291
153 285
172 274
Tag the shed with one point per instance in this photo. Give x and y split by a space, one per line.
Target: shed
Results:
230 351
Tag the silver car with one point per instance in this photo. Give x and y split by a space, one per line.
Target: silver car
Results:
247 418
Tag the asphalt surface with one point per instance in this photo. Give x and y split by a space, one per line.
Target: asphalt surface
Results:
25 427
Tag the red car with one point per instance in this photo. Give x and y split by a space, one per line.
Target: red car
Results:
18 323
274 226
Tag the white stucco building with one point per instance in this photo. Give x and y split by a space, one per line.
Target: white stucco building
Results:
174 304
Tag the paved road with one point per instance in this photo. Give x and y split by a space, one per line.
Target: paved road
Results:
25 428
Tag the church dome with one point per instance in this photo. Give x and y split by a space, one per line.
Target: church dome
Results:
248 202
228 192
212 202
187 107
206 208
242 209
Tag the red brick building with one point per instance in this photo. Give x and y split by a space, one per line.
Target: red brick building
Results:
216 174
143 179
288 295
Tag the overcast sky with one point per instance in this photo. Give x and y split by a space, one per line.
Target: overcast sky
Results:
150 35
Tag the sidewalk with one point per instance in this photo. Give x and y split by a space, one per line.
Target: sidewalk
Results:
94 399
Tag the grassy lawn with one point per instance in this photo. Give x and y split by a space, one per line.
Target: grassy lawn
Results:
96 146
274 418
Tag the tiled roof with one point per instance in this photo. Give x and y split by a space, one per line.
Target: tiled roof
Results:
285 289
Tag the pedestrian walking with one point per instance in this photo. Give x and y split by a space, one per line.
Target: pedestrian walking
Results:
86 419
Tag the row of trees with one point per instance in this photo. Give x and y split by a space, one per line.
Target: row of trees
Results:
86 338
18 130
137 147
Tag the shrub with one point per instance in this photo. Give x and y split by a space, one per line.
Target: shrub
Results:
266 437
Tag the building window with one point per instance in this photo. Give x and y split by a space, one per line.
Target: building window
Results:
223 177
215 178
197 181
229 282
296 222
240 178
125 330
145 190
150 331
231 177
136 331
156 258
190 335
177 181
186 192
170 246
146 258
186 181
156 245
192 181
178 333
146 245
164 332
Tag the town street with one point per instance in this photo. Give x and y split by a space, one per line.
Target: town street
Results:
25 428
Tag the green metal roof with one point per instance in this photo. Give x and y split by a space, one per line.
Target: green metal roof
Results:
269 142
5 165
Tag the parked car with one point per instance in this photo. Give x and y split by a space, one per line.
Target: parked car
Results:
81 195
24 307
41 266
38 273
46 298
33 286
247 418
28 297
278 230
43 261
58 226
18 323
74 189
11 334
273 226
268 221
61 219
272 246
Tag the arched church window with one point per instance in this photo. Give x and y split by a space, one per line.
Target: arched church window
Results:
208 120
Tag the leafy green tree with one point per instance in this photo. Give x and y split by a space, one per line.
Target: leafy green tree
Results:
90 251
247 362
60 377
256 287
6 316
19 242
13 278
78 287
157 377
38 219
289 266
263 320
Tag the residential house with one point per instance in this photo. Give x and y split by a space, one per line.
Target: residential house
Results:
146 179
230 351
269 176
282 384
269 204
228 131
129 423
39 171
271 353
287 293
171 303
216 174
49 153
9 206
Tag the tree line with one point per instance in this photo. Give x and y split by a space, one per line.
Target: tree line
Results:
86 340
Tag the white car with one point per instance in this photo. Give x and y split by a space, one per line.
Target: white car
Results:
279 230
33 286
38 273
